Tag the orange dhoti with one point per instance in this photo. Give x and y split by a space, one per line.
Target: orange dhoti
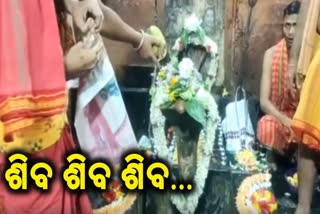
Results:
271 132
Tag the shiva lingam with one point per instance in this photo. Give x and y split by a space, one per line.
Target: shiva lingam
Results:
186 131
182 102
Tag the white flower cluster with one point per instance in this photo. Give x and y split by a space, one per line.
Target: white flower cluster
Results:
184 81
192 23
186 68
171 81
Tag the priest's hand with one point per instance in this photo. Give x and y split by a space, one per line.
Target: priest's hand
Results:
83 57
81 11
151 48
292 83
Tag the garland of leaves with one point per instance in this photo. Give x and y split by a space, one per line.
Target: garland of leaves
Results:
199 104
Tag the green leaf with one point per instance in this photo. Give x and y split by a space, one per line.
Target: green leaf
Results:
202 34
166 105
175 62
195 109
186 95
152 91
184 38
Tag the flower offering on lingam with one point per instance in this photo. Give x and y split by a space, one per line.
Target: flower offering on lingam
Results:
184 86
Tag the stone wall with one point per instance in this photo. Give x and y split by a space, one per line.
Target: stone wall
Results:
246 39
139 14
242 40
212 14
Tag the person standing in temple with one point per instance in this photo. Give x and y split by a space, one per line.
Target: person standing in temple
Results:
103 127
33 99
33 103
304 79
274 130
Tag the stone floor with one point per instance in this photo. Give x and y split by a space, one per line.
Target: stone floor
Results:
218 197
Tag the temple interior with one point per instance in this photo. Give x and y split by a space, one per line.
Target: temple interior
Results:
242 31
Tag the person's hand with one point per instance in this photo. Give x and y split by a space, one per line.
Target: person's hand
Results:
81 11
299 78
293 90
147 49
286 121
83 56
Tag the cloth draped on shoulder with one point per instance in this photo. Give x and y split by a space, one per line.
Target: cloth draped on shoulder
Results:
306 121
33 94
271 132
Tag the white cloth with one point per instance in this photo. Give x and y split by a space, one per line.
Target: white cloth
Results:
74 83
237 127
102 123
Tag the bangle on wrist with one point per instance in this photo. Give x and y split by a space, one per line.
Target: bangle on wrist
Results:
141 42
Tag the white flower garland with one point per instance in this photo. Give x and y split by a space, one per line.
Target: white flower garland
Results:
188 204
193 25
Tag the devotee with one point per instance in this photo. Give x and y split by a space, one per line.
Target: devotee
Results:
120 135
274 128
304 69
33 99
110 25
33 104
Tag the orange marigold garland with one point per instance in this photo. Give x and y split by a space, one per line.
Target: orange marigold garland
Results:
254 195
117 201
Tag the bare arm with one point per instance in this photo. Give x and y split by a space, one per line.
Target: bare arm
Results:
109 24
265 90
115 28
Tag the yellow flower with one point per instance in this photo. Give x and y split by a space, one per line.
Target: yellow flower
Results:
293 180
118 195
174 81
247 158
162 74
225 92
172 96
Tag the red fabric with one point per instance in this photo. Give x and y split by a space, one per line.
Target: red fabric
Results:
58 200
271 132
32 71
31 59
